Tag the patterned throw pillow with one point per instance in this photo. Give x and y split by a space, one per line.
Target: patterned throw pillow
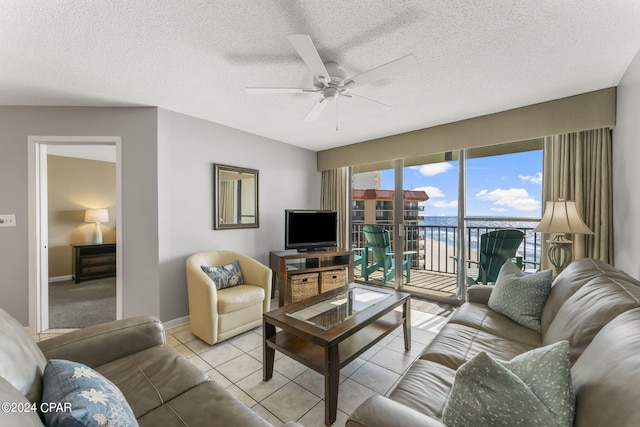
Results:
85 397
521 297
533 389
225 276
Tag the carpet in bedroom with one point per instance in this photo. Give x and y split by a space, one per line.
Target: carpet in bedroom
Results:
77 305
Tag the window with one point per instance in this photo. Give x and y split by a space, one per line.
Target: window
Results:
506 185
502 188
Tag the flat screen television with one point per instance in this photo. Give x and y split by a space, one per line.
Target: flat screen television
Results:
310 230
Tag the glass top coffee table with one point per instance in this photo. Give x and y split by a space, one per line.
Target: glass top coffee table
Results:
328 331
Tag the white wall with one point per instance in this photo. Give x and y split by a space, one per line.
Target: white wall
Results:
626 173
187 149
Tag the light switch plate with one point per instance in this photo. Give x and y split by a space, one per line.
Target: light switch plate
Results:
7 220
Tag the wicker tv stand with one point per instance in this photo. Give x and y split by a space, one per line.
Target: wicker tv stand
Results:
287 263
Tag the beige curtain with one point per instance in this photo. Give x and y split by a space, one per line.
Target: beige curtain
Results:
577 166
226 199
335 195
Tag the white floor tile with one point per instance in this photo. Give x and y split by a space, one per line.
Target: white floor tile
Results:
239 368
290 402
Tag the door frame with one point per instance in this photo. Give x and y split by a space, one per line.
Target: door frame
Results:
38 228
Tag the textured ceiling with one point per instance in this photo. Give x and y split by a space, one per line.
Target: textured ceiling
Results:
196 57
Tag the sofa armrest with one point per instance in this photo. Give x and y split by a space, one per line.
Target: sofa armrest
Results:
479 293
382 411
103 343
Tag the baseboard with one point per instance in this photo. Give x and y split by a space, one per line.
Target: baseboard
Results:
60 278
176 322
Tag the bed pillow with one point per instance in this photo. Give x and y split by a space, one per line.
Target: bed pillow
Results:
521 297
83 397
225 276
533 389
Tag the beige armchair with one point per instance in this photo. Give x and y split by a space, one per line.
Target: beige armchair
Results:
216 315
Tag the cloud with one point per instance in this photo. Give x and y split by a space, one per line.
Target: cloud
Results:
436 193
536 179
514 198
432 192
433 169
442 204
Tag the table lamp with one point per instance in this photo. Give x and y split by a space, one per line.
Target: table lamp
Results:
97 216
562 218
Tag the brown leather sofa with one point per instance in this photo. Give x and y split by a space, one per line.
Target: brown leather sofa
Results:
161 386
592 305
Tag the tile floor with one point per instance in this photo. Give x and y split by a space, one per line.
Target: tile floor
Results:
295 393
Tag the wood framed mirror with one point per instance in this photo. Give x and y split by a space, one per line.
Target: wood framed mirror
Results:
235 197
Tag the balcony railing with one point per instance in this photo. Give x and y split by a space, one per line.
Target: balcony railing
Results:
436 244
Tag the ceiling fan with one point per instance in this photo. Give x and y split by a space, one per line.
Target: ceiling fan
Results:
330 81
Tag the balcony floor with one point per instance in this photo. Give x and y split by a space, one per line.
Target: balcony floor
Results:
442 285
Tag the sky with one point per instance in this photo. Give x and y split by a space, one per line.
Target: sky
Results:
506 185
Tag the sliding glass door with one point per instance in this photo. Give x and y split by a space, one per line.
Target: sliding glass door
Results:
435 210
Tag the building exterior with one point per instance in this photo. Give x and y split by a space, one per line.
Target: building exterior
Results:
372 206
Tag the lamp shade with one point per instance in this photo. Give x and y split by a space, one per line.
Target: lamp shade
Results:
96 215
562 217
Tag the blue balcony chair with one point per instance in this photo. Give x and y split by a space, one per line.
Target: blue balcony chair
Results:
496 247
379 244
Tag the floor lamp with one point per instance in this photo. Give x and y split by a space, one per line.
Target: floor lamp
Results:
561 218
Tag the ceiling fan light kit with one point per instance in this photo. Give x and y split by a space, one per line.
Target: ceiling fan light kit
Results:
330 81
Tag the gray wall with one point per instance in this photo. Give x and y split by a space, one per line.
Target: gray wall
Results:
138 129
626 173
187 149
167 196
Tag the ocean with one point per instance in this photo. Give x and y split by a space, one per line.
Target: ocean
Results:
445 230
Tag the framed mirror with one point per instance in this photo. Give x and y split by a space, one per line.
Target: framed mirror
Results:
235 197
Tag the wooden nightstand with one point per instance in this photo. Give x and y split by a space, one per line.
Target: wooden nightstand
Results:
94 261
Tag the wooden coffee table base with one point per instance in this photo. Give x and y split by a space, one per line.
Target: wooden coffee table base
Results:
327 351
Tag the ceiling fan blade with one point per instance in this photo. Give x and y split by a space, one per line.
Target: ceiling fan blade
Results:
384 71
309 54
369 99
316 110
278 90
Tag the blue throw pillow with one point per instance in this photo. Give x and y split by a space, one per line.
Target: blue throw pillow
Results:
225 276
521 297
86 397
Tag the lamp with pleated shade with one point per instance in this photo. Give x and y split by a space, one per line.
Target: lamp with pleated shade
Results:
97 216
561 218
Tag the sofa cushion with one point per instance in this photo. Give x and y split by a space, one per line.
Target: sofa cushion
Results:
151 377
239 297
481 317
425 387
21 361
207 404
591 307
225 276
606 375
533 389
456 344
86 398
27 416
572 278
521 297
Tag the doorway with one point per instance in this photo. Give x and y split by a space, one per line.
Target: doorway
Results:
55 238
